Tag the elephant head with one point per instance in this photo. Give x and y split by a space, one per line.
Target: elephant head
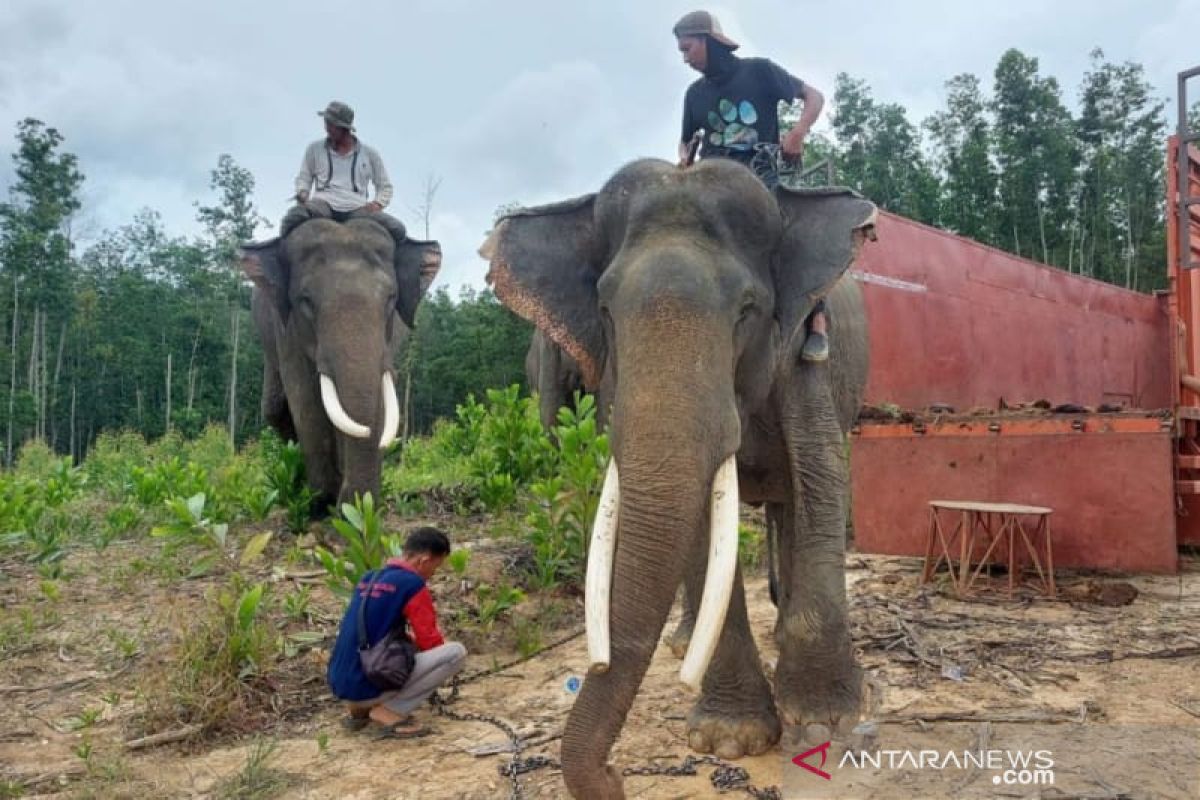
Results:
682 294
332 302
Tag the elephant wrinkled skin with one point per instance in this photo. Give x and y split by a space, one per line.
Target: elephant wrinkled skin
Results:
332 303
683 294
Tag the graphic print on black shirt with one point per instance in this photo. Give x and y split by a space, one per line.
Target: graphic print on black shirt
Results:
740 110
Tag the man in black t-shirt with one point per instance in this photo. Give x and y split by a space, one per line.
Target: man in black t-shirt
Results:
735 107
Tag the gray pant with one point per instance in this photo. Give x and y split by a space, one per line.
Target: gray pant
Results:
314 209
433 668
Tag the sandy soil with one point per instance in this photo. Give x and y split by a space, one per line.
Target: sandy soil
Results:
1129 670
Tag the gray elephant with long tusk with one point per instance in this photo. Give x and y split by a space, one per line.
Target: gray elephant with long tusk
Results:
332 304
682 294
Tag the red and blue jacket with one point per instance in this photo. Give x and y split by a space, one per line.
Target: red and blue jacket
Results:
399 596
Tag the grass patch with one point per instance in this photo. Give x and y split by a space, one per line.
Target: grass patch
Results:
257 779
219 672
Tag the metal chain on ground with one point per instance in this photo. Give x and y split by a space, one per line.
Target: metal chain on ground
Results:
514 773
725 777
516 765
463 680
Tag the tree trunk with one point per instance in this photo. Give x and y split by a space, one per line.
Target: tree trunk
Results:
42 380
76 456
168 420
233 378
12 378
1042 231
192 368
58 361
32 377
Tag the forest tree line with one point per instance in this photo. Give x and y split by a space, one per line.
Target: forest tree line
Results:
151 331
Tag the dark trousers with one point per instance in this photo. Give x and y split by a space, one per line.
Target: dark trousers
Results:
319 209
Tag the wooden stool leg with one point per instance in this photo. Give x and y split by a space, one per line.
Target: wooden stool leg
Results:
1012 566
927 572
1045 523
968 535
1031 547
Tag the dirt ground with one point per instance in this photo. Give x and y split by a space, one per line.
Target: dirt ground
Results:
940 668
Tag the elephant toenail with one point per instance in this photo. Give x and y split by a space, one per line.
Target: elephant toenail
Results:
816 733
729 750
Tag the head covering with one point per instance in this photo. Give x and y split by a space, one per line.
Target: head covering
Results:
338 114
702 23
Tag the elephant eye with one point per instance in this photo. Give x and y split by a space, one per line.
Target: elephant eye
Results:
306 305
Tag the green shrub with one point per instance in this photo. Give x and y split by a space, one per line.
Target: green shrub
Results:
366 546
216 676
562 508
285 476
36 460
112 458
495 601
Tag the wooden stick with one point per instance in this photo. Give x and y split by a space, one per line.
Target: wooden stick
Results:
167 737
1182 707
1016 715
17 689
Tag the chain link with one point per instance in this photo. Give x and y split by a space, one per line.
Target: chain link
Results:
463 680
441 705
726 776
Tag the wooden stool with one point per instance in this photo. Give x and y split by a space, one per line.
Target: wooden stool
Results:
996 527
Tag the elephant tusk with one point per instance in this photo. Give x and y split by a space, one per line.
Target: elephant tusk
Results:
718 579
337 415
391 412
598 584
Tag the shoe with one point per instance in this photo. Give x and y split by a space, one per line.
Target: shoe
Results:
816 348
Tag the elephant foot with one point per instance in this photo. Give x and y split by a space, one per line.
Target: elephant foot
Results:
732 735
816 708
679 640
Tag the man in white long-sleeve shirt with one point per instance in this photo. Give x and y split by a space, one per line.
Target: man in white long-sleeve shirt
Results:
335 175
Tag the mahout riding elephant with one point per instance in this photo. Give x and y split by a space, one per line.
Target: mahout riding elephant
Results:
683 296
332 302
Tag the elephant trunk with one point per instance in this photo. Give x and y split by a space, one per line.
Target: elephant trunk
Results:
655 523
355 373
672 432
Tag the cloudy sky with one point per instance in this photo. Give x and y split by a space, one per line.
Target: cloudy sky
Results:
525 100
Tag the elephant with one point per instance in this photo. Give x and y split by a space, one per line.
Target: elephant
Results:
332 303
555 377
683 295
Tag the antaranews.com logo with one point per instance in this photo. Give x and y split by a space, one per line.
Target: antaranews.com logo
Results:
1008 767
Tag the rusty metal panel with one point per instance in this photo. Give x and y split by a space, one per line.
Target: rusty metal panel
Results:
956 322
1111 489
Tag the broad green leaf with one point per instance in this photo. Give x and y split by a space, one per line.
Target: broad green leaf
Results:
248 606
255 547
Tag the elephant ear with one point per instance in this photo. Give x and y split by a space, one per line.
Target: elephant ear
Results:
417 264
823 228
266 265
544 264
